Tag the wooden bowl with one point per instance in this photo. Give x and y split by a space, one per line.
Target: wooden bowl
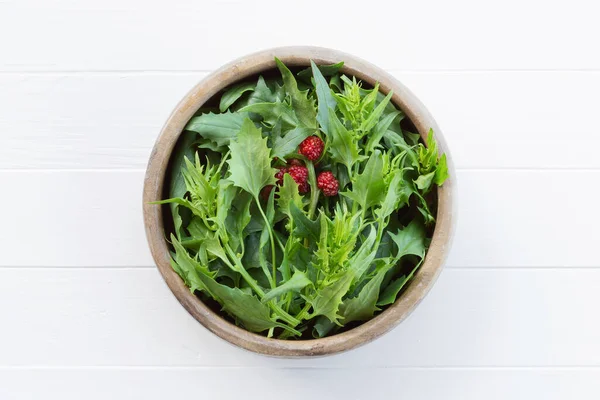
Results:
155 179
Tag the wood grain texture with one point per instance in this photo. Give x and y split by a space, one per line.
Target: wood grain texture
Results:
128 317
111 120
423 35
367 383
507 218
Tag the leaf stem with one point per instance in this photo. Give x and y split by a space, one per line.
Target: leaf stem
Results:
281 313
272 238
302 314
314 190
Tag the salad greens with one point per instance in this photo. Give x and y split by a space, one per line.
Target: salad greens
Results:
304 205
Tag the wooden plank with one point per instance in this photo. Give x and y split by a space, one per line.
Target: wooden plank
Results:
201 35
507 218
261 383
490 119
128 317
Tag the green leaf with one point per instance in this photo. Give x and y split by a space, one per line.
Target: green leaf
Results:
180 202
441 172
271 112
225 196
424 182
250 161
410 240
303 106
247 308
363 306
265 236
183 148
251 258
368 188
220 128
304 227
374 116
397 195
283 146
326 101
263 94
238 219
343 148
232 94
187 268
379 130
327 300
322 327
288 193
325 70
362 259
213 246
391 291
295 284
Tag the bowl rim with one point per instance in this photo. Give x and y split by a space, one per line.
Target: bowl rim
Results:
239 69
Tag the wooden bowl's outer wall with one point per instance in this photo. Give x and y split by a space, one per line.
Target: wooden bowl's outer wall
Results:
155 177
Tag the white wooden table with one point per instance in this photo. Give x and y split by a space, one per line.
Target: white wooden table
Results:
84 90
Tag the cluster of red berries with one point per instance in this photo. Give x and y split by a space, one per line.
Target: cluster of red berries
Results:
311 148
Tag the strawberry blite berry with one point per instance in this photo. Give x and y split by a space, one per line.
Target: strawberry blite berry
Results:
311 148
328 184
298 173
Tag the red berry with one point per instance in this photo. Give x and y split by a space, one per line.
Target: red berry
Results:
279 175
300 176
327 183
295 161
311 148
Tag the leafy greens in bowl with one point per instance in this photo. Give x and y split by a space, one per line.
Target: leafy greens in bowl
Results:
304 204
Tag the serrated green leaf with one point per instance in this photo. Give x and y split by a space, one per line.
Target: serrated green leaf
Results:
359 263
295 284
370 122
232 94
271 112
391 291
288 144
303 106
247 308
250 160
220 128
288 192
410 240
188 268
396 196
368 188
326 101
263 94
304 227
327 300
238 219
363 306
342 147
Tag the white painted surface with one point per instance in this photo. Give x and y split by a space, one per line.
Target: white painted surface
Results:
84 90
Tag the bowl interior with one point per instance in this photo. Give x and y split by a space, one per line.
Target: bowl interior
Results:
213 102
